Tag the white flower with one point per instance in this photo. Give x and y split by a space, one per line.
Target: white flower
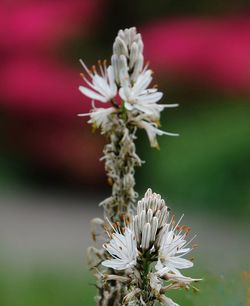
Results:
152 131
139 97
122 247
99 116
103 86
173 246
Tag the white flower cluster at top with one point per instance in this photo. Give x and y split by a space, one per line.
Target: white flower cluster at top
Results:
124 86
130 103
150 249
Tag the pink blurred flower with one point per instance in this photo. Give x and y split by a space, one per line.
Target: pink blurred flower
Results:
38 90
214 52
42 86
33 80
41 24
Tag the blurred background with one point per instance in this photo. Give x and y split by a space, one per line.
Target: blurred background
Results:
51 179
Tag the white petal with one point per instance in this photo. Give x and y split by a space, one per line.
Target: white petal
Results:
100 116
84 115
115 264
150 98
122 94
91 94
101 86
128 106
143 81
181 263
148 91
144 109
169 105
111 78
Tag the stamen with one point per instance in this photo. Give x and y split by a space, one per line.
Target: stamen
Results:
100 67
86 68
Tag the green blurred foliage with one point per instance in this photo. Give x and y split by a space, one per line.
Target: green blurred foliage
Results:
207 166
52 287
46 287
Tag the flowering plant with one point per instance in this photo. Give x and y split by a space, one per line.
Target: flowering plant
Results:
141 258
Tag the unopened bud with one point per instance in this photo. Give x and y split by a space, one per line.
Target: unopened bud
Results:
146 234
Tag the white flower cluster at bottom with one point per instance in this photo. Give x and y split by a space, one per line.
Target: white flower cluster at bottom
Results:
151 249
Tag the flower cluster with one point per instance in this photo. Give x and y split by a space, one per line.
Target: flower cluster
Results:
124 86
151 249
145 252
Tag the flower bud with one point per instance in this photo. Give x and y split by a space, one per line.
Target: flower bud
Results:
146 234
